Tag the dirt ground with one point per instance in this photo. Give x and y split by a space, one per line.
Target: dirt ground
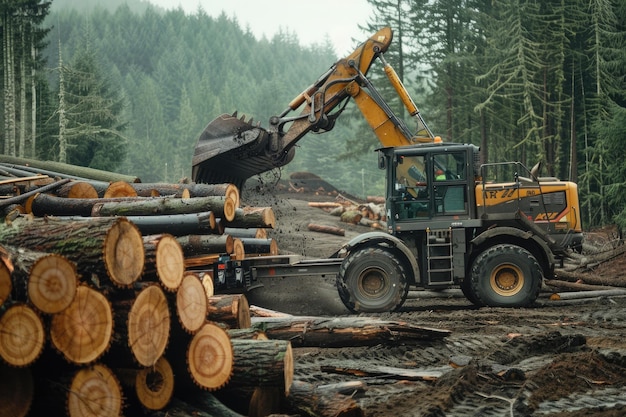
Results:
561 358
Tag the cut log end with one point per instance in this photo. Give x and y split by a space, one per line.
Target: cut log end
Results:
22 335
95 391
154 385
170 262
191 303
120 189
149 325
124 254
52 283
82 189
82 332
210 357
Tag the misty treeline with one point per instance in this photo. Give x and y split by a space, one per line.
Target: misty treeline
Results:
129 88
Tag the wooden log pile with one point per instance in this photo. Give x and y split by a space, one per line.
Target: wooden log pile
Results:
99 311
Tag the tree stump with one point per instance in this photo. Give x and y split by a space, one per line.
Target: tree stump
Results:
165 260
210 357
232 310
22 335
94 391
191 303
82 332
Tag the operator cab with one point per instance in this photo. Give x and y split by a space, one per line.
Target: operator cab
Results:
429 183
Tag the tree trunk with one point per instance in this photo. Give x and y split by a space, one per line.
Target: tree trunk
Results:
22 335
344 331
85 242
164 260
191 303
230 309
144 206
83 331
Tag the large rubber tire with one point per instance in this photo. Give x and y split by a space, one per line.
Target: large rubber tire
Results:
506 276
372 280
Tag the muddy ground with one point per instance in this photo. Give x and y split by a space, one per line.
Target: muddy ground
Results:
559 358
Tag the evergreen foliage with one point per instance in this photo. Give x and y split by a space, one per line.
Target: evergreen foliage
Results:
525 80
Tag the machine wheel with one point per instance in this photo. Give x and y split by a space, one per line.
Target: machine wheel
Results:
506 276
372 280
468 292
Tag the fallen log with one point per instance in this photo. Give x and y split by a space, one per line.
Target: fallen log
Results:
312 401
16 390
86 242
232 310
262 363
326 229
587 278
388 372
223 207
343 331
575 286
83 331
22 335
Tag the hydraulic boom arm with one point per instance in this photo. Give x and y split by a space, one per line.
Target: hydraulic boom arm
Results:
233 150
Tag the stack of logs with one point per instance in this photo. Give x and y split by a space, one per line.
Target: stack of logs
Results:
370 214
101 312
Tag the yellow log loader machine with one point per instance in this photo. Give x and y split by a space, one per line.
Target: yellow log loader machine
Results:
495 230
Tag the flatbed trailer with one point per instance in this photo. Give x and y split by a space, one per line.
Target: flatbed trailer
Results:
231 275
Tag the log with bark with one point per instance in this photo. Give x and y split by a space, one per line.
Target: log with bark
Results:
232 310
82 189
94 391
321 228
193 245
256 247
82 332
164 260
209 358
47 281
223 207
20 199
59 169
101 248
351 216
6 284
313 401
152 386
253 217
193 189
175 224
262 363
191 303
22 335
255 232
344 331
202 405
51 205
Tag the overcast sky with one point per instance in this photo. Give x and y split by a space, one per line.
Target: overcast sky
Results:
311 20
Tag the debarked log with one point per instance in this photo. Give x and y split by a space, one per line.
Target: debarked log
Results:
87 242
344 331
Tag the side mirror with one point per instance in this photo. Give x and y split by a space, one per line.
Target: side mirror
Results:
382 161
